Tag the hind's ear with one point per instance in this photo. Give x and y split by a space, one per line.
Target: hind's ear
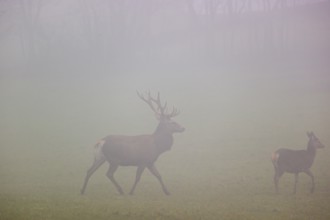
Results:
309 134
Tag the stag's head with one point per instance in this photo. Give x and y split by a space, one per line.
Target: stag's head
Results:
163 116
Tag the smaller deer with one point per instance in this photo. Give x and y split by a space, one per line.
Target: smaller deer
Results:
296 161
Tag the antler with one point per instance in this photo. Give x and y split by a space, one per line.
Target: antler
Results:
174 112
161 109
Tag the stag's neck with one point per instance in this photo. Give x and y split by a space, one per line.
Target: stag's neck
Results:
163 139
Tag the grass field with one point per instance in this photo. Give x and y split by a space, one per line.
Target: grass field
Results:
219 168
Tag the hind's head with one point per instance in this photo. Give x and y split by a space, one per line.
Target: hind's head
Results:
314 141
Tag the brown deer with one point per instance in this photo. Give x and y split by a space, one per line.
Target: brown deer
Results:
141 151
296 161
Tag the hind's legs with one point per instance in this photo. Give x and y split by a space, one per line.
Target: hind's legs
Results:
295 183
277 177
309 173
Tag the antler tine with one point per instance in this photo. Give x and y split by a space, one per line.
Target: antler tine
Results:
148 101
161 108
174 112
164 108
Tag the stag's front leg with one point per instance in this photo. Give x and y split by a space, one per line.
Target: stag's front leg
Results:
155 172
139 172
112 169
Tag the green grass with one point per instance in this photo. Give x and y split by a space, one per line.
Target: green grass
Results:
228 184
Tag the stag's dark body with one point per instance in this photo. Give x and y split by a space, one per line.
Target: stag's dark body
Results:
296 161
141 151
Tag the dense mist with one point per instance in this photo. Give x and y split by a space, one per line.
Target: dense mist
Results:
247 76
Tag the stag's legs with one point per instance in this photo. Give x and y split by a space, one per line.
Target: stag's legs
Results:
112 169
155 172
277 176
309 173
139 172
295 182
96 164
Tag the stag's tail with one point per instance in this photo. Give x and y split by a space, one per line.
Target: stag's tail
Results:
98 152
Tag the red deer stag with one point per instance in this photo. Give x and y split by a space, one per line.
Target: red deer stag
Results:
141 151
296 161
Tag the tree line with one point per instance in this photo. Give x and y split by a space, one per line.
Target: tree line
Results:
128 29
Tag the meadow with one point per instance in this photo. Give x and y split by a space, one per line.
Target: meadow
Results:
219 168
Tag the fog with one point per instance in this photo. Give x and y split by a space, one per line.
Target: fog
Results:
247 77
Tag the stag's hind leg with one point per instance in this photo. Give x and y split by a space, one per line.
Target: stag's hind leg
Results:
99 159
112 169
96 164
